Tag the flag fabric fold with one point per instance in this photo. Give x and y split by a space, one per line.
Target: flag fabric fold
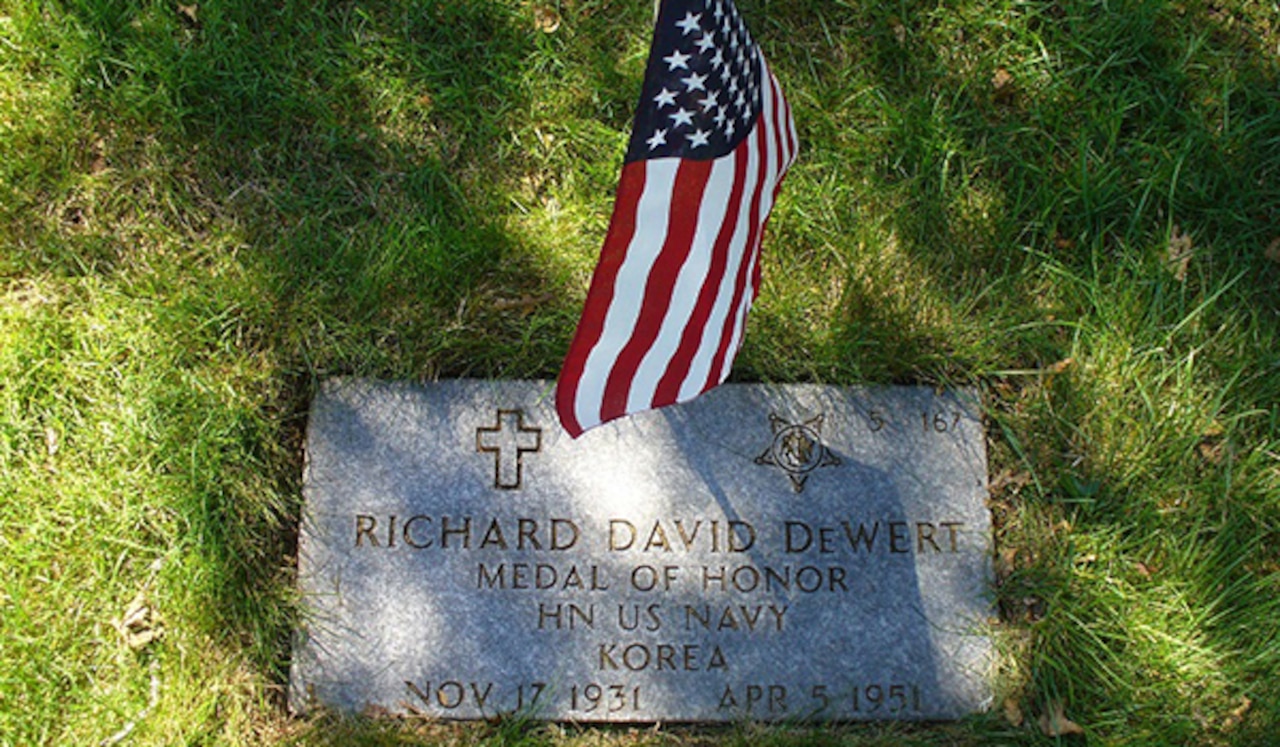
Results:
680 267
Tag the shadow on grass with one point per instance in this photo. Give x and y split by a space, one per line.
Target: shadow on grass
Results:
353 161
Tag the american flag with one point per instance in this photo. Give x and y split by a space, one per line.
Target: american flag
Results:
680 267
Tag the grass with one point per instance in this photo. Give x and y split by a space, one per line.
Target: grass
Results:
205 209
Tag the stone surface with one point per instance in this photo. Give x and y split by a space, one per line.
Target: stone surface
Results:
764 552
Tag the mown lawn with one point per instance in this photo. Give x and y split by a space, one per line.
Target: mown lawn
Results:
207 208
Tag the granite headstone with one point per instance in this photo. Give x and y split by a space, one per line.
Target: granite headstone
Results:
763 552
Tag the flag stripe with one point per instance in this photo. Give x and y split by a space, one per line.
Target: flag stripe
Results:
772 167
694 276
600 296
637 255
693 337
664 271
695 381
731 332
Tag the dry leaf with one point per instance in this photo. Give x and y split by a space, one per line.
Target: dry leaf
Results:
1006 562
1237 714
1144 570
138 626
99 154
190 12
525 304
899 31
1273 251
1013 712
1180 249
547 20
1056 724
1009 480
1003 90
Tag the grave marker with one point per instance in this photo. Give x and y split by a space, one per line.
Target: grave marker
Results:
765 552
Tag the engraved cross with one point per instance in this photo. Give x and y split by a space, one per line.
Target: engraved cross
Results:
508 440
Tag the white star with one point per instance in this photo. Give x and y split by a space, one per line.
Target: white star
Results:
712 99
695 82
728 130
690 23
682 116
664 98
718 60
698 138
720 116
741 100
708 41
659 138
719 12
733 86
677 60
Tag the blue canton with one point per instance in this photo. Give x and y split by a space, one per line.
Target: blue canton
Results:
702 87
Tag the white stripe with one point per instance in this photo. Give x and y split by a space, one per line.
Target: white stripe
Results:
698 370
652 215
684 296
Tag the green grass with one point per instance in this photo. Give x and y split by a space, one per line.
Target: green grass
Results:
204 212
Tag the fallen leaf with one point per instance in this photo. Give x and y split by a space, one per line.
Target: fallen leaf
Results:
138 626
1237 714
545 19
1179 253
1273 251
1006 562
524 304
1210 450
1061 366
373 710
1056 724
1002 86
1009 480
1013 712
190 12
99 154
899 31
1144 570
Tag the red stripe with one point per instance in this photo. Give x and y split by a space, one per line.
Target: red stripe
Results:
622 226
668 390
775 135
784 121
686 200
781 126
726 333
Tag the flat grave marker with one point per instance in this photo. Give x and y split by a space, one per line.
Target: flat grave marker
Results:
767 552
